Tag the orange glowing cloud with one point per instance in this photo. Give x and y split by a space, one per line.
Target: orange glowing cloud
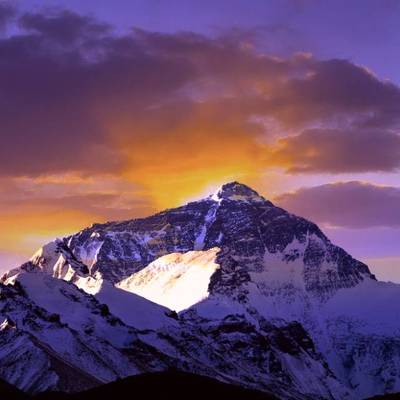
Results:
28 229
188 147
36 210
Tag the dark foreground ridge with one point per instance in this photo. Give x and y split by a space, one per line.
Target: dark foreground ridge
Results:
166 385
172 385
8 391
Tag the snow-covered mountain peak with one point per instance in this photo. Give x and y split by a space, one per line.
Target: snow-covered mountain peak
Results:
236 219
265 299
237 192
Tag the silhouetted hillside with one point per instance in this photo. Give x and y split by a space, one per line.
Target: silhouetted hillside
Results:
8 392
165 385
395 396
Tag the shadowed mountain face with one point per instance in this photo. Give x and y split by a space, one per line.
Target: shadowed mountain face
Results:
229 287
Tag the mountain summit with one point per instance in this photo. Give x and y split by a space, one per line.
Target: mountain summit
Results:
229 286
237 191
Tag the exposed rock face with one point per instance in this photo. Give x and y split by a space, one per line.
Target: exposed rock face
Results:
264 298
236 219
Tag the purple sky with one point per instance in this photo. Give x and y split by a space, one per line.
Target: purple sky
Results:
363 31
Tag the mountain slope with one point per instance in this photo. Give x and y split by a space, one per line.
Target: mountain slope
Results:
265 300
55 336
84 345
177 280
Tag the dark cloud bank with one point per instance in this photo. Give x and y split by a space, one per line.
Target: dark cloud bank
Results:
349 204
76 97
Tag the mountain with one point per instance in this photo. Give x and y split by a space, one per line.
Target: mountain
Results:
230 287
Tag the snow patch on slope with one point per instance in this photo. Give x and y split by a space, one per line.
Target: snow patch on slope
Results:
55 260
46 257
132 309
176 280
208 221
372 306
